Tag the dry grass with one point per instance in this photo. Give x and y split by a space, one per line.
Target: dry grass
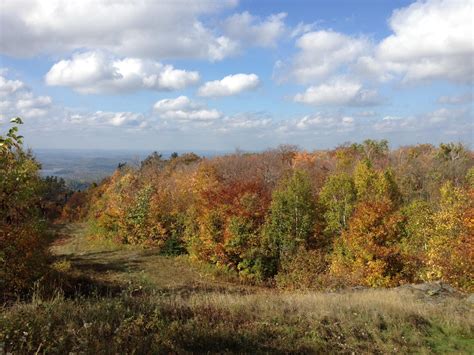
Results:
165 305
385 321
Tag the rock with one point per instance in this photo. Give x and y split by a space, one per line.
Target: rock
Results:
470 298
448 288
433 289
428 287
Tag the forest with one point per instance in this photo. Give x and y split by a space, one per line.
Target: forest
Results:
360 214
285 219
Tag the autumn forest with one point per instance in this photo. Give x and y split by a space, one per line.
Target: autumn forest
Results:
281 220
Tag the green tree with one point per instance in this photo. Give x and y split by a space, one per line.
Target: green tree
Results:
292 216
23 244
338 197
372 150
417 224
375 185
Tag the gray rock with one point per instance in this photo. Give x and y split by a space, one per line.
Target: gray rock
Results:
428 287
470 298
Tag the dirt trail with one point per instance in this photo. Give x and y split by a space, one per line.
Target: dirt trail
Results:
109 262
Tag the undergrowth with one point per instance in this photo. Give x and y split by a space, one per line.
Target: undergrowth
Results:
138 321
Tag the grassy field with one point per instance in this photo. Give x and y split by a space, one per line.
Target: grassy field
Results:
128 300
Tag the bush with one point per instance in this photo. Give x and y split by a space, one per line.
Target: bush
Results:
23 242
304 270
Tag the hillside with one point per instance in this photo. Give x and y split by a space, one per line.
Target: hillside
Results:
360 249
132 300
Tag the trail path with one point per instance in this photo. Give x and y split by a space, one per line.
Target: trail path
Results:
105 261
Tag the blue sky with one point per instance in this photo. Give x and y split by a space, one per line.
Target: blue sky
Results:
220 75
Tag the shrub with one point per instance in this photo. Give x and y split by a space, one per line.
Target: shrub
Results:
23 242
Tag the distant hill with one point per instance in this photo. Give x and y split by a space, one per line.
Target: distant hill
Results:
88 165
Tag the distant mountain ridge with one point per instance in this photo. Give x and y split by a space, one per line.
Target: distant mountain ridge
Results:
91 165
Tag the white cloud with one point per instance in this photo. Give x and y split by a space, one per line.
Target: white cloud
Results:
456 99
247 121
8 87
144 29
251 30
321 54
94 72
318 123
183 109
431 40
16 99
441 120
39 112
338 92
326 122
229 85
302 28
115 119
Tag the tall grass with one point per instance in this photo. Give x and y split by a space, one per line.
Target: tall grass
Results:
375 321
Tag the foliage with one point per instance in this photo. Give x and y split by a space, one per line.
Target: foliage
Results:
418 221
377 217
338 197
23 242
368 252
291 219
304 270
54 196
451 246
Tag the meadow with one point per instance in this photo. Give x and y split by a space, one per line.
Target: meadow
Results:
129 300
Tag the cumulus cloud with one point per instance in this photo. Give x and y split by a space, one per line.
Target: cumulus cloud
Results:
115 119
430 40
145 29
326 122
9 87
17 99
229 85
40 113
94 72
338 92
320 55
183 109
251 30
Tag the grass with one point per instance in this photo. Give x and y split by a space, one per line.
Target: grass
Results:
382 321
158 304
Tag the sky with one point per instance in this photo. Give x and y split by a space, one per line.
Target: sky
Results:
229 74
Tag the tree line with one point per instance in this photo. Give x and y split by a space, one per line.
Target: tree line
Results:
359 214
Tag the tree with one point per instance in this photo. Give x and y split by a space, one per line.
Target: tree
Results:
338 197
453 162
23 243
413 167
368 252
450 249
291 220
416 234
372 150
375 185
